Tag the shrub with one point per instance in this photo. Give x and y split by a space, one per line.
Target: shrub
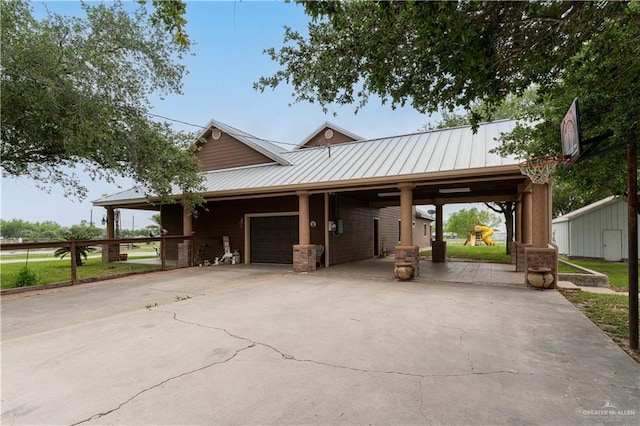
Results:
26 277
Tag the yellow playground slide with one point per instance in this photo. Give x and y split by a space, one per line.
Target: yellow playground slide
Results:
486 233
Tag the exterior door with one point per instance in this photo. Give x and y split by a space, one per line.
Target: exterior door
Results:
612 241
273 238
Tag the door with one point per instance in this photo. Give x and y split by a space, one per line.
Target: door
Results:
376 237
272 239
612 242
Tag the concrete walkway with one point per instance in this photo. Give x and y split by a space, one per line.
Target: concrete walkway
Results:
260 345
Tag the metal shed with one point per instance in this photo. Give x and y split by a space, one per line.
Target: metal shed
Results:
598 231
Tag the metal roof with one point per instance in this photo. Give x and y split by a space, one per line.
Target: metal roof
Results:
586 209
414 155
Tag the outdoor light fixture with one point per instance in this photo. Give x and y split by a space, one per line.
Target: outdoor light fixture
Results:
104 220
388 194
453 190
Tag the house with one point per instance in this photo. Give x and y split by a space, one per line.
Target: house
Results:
597 231
339 194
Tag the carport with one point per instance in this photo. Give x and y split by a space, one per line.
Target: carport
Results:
335 192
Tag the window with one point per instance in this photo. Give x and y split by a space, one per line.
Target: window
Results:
425 230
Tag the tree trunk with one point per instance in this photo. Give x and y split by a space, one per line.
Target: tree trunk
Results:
78 258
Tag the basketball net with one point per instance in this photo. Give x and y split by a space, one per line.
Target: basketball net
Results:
540 169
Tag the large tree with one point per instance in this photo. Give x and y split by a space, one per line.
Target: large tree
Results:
76 94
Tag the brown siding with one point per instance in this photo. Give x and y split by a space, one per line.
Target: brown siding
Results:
228 152
419 239
320 140
171 217
389 229
356 243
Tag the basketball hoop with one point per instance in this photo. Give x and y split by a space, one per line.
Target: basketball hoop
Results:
539 169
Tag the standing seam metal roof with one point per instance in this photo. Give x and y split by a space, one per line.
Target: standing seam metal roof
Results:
412 154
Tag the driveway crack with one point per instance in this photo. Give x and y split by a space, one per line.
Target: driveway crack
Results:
122 404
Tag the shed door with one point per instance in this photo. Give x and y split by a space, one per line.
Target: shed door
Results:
273 238
612 241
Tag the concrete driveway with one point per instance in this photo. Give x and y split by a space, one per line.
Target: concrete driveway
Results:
260 345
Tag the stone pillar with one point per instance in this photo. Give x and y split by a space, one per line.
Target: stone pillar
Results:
520 256
518 234
439 246
304 253
304 258
541 261
111 252
406 254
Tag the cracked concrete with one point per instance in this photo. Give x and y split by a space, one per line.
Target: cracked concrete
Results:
256 346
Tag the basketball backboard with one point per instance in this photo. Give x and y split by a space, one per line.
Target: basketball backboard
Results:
570 133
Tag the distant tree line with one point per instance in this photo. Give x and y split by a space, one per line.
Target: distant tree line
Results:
52 231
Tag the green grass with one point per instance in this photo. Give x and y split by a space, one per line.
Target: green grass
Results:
610 312
492 254
616 271
56 271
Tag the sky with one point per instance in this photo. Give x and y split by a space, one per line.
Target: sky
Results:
229 39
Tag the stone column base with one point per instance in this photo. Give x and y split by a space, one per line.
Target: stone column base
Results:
438 251
512 251
408 255
184 254
110 253
539 259
520 258
304 258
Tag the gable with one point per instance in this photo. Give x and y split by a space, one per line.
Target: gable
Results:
328 134
228 152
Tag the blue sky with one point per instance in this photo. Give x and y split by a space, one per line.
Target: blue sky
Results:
228 58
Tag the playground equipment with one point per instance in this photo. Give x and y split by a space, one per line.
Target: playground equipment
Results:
480 232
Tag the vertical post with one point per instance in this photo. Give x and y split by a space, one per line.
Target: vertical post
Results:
632 209
304 253
406 213
525 225
439 223
539 220
327 248
518 235
303 219
163 253
74 267
185 249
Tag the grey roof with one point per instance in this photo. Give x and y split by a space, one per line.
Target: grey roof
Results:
263 146
421 153
586 209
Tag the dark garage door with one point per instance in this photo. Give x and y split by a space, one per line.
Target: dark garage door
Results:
272 239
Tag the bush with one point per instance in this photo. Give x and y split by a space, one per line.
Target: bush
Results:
26 277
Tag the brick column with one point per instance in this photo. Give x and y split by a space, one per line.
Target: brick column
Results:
525 226
408 255
304 258
185 249
540 258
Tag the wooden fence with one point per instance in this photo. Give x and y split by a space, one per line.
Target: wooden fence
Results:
72 243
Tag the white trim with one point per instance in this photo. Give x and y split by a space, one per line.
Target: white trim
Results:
247 230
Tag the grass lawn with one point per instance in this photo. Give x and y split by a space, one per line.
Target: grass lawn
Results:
483 253
616 271
56 271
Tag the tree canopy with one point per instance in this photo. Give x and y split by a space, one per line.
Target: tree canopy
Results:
76 94
463 221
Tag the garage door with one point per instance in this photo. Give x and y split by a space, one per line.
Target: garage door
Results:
272 239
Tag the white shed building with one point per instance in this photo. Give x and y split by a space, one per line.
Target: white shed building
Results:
598 230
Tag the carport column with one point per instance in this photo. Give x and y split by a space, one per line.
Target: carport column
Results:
184 248
540 259
406 254
111 252
525 228
518 233
304 253
439 246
